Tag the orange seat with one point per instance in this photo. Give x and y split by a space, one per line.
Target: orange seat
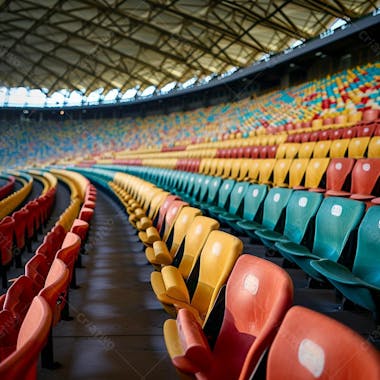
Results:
20 218
22 363
37 269
338 174
258 294
305 348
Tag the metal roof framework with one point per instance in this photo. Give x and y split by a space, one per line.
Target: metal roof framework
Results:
119 44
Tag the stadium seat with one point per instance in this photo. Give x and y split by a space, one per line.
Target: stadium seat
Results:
162 253
281 172
306 150
266 171
223 200
336 220
297 172
300 210
212 193
22 363
217 259
273 213
339 148
185 260
20 218
338 175
37 269
7 226
322 149
374 147
258 294
358 147
315 176
236 199
305 348
362 284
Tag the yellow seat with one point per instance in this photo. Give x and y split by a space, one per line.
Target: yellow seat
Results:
306 149
292 150
358 147
253 171
213 166
315 173
147 220
194 241
297 172
339 148
266 170
161 254
374 147
235 168
281 172
244 169
281 150
217 259
321 149
227 167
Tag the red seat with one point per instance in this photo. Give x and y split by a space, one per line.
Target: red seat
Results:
305 348
258 294
7 226
338 175
86 214
20 217
37 269
22 363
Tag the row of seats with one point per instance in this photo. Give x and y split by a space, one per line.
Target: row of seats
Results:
8 187
285 217
347 177
246 332
37 300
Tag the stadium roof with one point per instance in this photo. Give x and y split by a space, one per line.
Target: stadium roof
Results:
147 45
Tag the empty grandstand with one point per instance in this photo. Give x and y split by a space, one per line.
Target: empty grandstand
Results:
190 189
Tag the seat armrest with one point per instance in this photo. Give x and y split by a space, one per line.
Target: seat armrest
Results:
152 235
161 253
175 284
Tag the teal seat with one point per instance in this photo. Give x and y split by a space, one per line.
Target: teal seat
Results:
301 209
336 219
212 192
362 284
223 198
252 207
197 201
195 189
188 186
273 214
236 201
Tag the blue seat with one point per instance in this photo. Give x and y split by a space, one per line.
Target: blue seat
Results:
336 219
362 284
300 210
273 215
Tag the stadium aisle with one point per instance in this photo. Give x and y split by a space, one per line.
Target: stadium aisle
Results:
116 331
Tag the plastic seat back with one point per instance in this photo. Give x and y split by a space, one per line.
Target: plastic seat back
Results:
180 227
171 217
336 220
321 149
7 227
19 296
253 201
339 148
297 172
217 259
358 147
253 170
244 168
300 210
227 167
374 147
365 178
213 188
338 174
37 269
274 206
306 150
281 171
20 217
258 295
69 251
266 171
163 210
315 173
195 239
22 363
308 350
55 287
235 168
237 196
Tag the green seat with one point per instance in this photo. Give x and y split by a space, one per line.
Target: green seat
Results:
188 185
301 209
362 284
223 198
212 192
197 201
236 201
252 207
336 219
194 191
273 215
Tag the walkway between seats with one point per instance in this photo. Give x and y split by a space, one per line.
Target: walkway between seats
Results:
116 332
